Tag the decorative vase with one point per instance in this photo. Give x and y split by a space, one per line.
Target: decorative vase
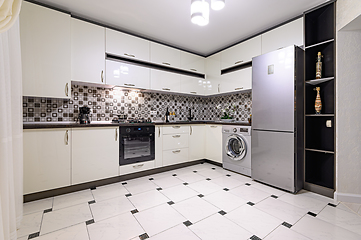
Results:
318 103
319 66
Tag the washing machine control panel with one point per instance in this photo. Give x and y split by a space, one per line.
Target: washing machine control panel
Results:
245 130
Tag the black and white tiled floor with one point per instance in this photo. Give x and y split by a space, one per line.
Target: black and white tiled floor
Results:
198 202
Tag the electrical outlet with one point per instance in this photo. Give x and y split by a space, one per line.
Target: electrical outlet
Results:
328 123
153 112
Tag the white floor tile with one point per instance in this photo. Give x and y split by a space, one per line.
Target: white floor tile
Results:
76 232
249 193
341 218
182 171
162 175
318 197
353 206
179 232
240 177
218 227
158 219
140 185
65 217
148 199
191 177
167 182
121 227
253 220
315 228
225 200
111 207
281 210
37 206
23 238
179 193
210 173
199 167
109 191
30 224
72 199
195 209
205 187
283 232
227 182
268 189
299 200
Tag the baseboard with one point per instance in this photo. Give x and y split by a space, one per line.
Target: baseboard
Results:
348 197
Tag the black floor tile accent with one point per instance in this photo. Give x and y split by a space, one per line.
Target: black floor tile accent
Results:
286 224
124 183
93 188
208 179
134 211
48 210
143 236
128 195
159 188
254 237
332 205
250 203
151 179
174 175
185 183
187 223
248 184
89 222
222 212
213 168
170 202
312 214
274 196
91 202
200 195
34 235
194 171
228 175
226 189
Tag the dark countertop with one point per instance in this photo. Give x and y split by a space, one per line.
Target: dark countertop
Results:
40 125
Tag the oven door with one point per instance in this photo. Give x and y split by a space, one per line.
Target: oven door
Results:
136 148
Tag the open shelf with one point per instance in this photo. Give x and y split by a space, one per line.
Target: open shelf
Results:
328 67
319 168
316 150
318 136
327 98
318 44
320 115
318 81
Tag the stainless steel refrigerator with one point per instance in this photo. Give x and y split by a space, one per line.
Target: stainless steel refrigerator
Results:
277 118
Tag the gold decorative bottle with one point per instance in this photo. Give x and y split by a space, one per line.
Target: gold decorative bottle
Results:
319 66
318 103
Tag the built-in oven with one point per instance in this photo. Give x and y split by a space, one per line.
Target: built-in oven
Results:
136 144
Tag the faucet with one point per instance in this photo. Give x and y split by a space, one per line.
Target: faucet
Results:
190 117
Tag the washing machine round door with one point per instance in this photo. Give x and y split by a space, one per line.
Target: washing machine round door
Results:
236 147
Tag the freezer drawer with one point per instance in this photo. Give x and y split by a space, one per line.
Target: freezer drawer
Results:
273 159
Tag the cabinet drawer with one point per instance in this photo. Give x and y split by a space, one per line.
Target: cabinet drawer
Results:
175 141
175 129
175 156
136 167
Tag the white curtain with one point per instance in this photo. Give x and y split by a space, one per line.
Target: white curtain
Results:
11 130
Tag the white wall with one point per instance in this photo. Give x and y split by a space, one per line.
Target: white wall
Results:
348 103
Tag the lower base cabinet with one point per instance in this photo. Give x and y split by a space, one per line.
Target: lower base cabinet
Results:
46 159
95 154
214 143
175 156
136 167
197 137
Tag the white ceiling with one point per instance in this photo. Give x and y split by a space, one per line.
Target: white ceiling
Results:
168 21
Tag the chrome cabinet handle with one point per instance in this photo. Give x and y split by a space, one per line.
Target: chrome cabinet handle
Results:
213 126
116 134
67 89
218 87
193 69
138 166
176 127
158 131
194 92
129 55
240 88
167 89
238 62
279 48
191 129
176 151
129 84
176 136
67 137
101 76
165 63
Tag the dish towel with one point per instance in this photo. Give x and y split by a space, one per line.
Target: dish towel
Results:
9 12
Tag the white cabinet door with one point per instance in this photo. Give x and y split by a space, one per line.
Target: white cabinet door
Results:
45 50
158 146
197 137
283 36
174 141
164 81
127 75
214 143
87 52
175 129
163 55
213 75
175 156
46 159
192 85
95 154
241 53
192 62
136 167
125 45
237 81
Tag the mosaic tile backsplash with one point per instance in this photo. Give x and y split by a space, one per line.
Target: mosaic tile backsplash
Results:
107 103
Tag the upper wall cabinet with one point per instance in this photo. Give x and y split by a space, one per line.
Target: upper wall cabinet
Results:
283 36
237 81
241 53
164 81
126 45
213 77
45 49
192 62
163 55
87 52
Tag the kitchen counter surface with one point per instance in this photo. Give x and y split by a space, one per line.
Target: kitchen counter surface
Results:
40 125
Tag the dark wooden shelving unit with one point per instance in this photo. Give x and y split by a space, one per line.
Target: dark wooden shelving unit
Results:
319 138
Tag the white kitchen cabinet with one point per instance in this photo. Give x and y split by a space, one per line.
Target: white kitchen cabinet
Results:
241 53
127 75
136 167
95 154
192 62
126 45
164 81
45 50
237 80
175 129
213 75
192 85
175 144
283 36
46 159
158 146
214 143
175 156
163 55
87 52
197 138
173 141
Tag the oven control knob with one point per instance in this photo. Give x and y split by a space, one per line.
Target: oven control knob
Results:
147 129
234 129
127 130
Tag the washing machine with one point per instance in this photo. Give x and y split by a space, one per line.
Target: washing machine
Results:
236 154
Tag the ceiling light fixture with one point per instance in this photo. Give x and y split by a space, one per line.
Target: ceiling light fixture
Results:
200 10
218 4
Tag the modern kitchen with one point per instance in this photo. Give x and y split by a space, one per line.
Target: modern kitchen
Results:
132 127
